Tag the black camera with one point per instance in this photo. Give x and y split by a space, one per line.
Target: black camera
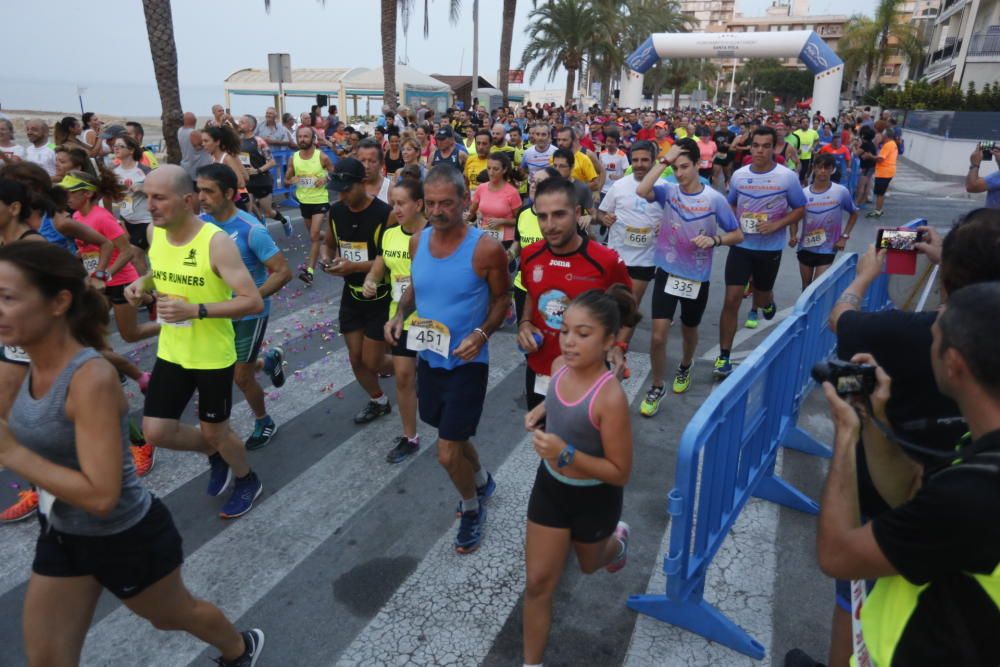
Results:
847 378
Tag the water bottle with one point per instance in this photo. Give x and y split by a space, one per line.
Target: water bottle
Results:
538 341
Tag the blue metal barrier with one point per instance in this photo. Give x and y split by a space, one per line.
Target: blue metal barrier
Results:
728 451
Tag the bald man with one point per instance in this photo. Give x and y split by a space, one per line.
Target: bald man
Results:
192 154
38 151
201 285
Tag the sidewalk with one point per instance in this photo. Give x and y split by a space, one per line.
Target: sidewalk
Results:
912 179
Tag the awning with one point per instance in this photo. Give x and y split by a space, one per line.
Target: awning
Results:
930 78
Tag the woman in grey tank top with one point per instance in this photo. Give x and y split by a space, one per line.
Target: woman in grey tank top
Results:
68 435
583 435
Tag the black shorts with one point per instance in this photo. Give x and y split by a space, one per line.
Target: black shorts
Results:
126 564
664 305
137 234
309 210
520 296
171 387
881 185
706 173
643 273
242 201
591 513
761 265
804 168
260 191
249 338
400 349
722 161
452 400
814 259
367 314
116 294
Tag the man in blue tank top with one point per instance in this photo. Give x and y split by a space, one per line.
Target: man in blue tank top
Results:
461 289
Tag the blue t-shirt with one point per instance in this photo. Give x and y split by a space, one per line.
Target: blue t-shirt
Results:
992 190
49 232
768 196
686 216
824 219
256 247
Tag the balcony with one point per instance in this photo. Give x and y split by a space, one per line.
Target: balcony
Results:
946 53
949 8
984 44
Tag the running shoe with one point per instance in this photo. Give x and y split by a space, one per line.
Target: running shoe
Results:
875 213
144 382
144 458
274 362
769 311
404 449
723 367
24 508
372 411
621 532
263 431
682 381
306 275
286 225
483 493
470 530
245 491
254 641
651 404
220 475
752 320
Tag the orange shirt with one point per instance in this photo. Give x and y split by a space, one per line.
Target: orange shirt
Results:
886 167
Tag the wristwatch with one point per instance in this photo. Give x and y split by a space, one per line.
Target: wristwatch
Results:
202 311
103 276
566 456
845 236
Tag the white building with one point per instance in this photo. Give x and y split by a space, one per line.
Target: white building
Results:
965 45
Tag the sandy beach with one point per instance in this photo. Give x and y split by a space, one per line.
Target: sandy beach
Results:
151 124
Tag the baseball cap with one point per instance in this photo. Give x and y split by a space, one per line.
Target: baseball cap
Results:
444 133
113 131
346 173
659 123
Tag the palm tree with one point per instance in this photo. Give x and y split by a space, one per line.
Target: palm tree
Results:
868 42
506 37
559 36
389 52
160 30
677 74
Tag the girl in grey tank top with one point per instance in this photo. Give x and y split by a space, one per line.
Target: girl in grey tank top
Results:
585 446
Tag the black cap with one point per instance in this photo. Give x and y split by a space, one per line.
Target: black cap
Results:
346 173
444 132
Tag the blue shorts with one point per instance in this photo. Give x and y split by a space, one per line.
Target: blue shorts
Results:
452 400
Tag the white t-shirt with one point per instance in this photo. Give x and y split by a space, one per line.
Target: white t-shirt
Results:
614 166
43 156
16 150
133 207
633 234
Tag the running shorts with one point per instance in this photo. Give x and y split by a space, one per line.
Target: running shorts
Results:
664 305
260 191
761 265
249 338
643 273
400 349
814 259
881 185
590 513
116 294
171 387
137 234
369 315
126 563
804 169
452 400
242 201
309 210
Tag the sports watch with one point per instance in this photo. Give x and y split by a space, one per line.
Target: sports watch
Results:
202 311
566 456
103 276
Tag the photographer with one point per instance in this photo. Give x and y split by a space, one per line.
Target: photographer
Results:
935 553
900 340
990 184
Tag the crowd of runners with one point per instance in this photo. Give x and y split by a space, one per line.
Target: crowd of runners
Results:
552 223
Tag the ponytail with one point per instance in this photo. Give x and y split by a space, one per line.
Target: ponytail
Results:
613 308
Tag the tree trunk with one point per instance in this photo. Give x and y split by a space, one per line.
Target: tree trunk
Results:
389 52
570 85
677 97
606 89
506 36
160 30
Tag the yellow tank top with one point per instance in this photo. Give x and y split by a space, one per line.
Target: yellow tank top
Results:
529 231
312 169
396 255
185 272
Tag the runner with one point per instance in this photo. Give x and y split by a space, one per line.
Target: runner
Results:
394 258
807 137
563 161
539 155
357 222
696 219
614 160
495 204
270 272
223 145
766 198
101 528
371 156
201 285
584 169
447 151
475 164
633 222
307 171
38 150
526 232
460 287
554 271
585 443
136 132
256 158
826 204
132 209
393 156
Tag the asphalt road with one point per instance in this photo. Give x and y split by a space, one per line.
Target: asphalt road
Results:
347 560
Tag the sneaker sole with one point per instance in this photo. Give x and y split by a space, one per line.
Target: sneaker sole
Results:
265 443
468 550
23 517
259 647
682 389
249 507
229 480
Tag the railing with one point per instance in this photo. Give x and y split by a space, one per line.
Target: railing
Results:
984 44
945 52
729 449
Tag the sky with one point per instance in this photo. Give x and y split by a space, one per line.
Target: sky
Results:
104 42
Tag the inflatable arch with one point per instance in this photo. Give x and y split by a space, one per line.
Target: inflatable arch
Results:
827 68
